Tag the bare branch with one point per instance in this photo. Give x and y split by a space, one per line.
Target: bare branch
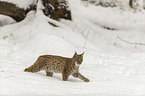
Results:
130 42
86 39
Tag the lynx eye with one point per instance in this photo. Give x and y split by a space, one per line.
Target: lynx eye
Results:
79 60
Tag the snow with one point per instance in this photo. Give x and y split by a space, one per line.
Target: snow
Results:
5 20
114 67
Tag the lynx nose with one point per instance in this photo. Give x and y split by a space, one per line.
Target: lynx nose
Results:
77 64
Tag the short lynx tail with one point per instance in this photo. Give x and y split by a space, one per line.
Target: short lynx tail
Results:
26 70
32 69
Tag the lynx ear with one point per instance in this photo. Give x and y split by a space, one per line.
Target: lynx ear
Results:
75 55
83 53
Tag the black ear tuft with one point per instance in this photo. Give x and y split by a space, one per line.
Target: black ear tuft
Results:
83 53
75 55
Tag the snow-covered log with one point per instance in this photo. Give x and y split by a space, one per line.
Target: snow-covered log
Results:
12 10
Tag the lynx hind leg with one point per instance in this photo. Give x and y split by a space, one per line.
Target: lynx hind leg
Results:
49 73
80 76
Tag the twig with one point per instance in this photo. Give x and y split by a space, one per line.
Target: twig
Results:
74 27
86 39
130 42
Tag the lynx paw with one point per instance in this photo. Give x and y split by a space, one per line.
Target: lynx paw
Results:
86 80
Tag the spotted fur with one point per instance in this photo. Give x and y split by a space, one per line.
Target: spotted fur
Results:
58 64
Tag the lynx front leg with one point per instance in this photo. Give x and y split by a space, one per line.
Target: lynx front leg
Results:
80 76
49 73
65 76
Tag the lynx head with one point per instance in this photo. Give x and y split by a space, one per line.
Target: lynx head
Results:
78 58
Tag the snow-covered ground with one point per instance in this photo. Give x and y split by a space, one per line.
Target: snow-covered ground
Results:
114 67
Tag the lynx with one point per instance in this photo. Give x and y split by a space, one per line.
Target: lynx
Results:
58 64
